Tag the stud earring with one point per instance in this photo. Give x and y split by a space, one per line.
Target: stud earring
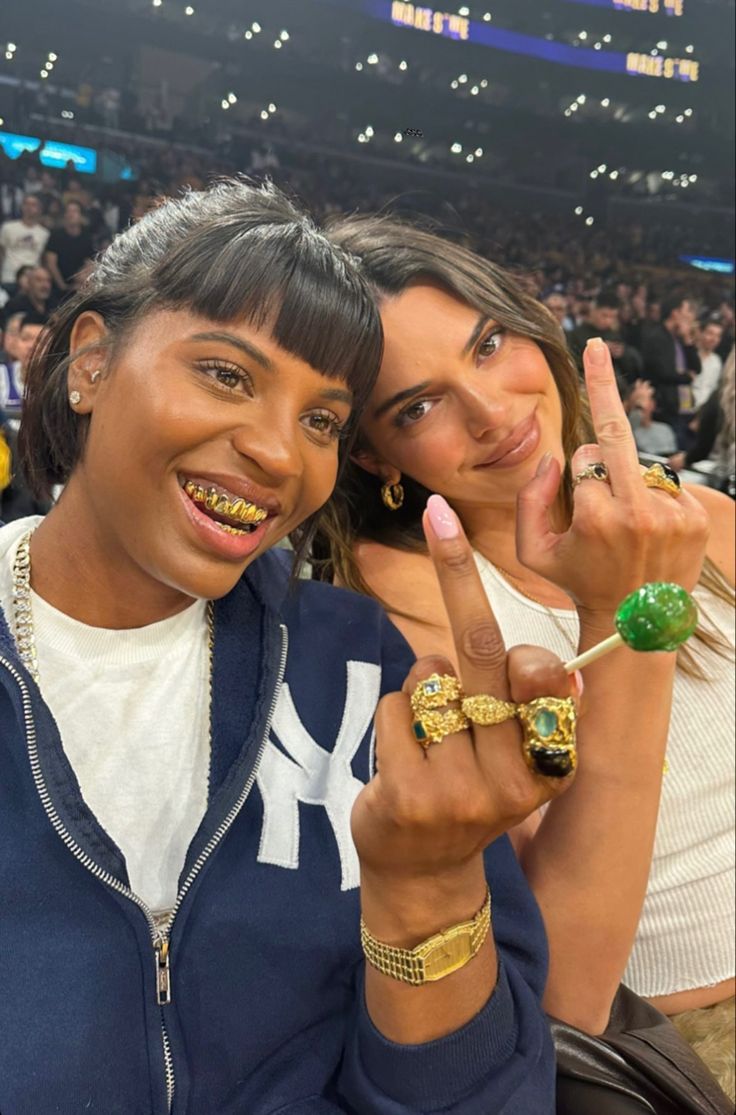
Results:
392 496
75 398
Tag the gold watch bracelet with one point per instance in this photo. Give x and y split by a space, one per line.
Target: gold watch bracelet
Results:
434 959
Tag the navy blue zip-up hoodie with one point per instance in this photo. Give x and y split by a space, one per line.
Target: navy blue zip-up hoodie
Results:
266 1013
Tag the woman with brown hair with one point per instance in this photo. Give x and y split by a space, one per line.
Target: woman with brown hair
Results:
478 401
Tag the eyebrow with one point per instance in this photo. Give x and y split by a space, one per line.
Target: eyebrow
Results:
408 392
247 347
333 393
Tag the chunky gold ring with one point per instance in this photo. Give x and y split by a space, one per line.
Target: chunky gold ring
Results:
430 725
549 745
664 477
596 471
486 711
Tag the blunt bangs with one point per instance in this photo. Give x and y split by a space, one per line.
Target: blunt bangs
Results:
289 279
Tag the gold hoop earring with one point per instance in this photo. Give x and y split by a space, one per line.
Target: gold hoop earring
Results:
392 496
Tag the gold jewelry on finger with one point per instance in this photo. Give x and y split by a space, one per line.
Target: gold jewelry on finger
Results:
597 471
430 695
432 727
486 711
663 477
548 724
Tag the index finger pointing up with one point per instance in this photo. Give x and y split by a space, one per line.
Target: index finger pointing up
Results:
613 431
478 640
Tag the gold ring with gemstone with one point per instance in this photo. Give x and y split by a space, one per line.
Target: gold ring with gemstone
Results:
549 744
430 695
663 477
597 471
486 711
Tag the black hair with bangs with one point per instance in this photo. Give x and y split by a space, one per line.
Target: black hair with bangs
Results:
235 251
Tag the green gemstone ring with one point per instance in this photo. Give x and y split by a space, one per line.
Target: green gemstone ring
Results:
549 745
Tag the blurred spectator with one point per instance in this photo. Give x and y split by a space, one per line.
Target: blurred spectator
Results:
709 338
14 354
603 322
671 360
556 303
68 248
655 438
39 299
21 242
16 500
716 422
726 318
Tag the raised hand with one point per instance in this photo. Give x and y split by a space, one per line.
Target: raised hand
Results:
428 815
623 533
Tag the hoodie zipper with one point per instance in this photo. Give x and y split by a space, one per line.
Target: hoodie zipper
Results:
159 936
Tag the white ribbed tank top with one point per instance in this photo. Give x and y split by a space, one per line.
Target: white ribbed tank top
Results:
687 932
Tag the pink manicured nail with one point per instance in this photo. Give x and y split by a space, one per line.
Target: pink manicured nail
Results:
579 683
543 466
597 348
443 518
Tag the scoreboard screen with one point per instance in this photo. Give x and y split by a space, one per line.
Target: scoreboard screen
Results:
650 7
435 21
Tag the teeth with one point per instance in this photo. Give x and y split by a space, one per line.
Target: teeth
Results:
239 509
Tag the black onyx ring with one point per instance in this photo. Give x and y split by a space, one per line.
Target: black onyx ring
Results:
596 471
663 477
549 745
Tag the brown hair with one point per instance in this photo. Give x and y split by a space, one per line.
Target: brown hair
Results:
394 253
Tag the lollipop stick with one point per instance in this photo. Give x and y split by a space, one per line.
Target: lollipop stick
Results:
595 652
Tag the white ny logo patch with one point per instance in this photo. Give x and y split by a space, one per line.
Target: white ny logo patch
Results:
314 775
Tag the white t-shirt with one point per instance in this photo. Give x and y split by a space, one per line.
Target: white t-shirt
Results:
132 710
707 378
22 245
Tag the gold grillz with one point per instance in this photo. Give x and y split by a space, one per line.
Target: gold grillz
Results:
240 510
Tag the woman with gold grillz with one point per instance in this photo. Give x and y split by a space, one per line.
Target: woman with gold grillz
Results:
209 771
478 401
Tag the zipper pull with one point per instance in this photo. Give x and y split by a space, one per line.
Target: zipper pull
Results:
163 972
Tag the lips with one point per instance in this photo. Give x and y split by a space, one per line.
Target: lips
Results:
515 448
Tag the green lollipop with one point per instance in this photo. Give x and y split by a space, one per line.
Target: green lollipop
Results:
658 616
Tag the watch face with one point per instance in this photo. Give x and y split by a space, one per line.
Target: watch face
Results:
447 957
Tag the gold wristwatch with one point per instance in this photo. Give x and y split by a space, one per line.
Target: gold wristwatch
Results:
433 959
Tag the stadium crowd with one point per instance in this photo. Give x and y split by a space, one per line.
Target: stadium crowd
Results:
670 332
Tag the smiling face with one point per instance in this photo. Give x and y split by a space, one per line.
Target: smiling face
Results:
462 406
220 406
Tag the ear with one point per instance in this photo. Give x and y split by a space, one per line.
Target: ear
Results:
368 460
89 344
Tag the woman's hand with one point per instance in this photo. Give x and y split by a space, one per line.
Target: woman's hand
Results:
421 825
623 534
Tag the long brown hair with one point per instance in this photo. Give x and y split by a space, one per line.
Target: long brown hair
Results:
394 253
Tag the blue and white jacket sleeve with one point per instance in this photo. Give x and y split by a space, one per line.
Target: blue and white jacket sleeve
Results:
502 1061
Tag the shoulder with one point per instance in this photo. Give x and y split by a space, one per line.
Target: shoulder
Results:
722 513
397 576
